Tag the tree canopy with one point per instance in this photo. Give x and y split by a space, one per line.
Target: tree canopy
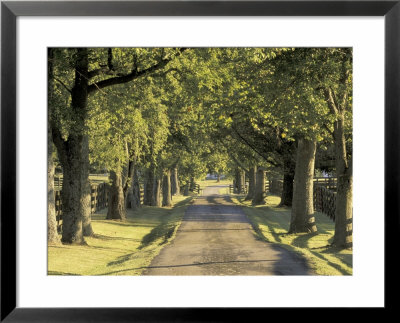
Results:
148 111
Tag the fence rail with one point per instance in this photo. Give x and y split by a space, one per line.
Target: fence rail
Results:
98 201
276 185
244 189
325 201
58 181
327 182
323 193
197 189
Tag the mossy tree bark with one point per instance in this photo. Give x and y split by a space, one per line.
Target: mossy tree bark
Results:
302 218
259 194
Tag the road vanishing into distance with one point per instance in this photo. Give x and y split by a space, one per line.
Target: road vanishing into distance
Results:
216 238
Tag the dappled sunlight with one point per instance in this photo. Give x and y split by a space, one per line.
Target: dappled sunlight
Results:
271 223
119 248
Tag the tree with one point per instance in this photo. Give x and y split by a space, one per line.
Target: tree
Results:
93 70
52 234
302 219
337 89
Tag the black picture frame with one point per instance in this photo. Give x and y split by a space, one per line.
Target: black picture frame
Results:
10 10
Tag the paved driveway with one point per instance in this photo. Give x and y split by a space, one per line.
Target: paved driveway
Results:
216 238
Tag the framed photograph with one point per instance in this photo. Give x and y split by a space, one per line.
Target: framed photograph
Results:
309 38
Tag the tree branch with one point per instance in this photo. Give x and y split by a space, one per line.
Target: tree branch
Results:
329 99
249 144
131 76
328 130
63 84
59 142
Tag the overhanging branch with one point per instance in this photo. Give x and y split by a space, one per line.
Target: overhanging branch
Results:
133 75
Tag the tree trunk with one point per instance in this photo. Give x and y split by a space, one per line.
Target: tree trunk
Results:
192 184
175 190
237 181
73 192
259 194
128 181
343 237
116 201
166 190
288 179
129 196
186 190
52 234
87 192
157 192
134 200
218 177
243 174
149 187
252 183
74 157
302 219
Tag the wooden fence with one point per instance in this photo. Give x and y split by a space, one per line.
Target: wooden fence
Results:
327 182
324 193
58 181
99 197
196 189
244 189
99 201
325 201
274 186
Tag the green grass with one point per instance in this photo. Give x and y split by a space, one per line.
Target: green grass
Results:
120 248
213 182
99 178
271 223
223 191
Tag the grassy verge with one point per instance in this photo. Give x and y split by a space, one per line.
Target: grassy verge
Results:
120 248
213 182
223 191
99 178
271 224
